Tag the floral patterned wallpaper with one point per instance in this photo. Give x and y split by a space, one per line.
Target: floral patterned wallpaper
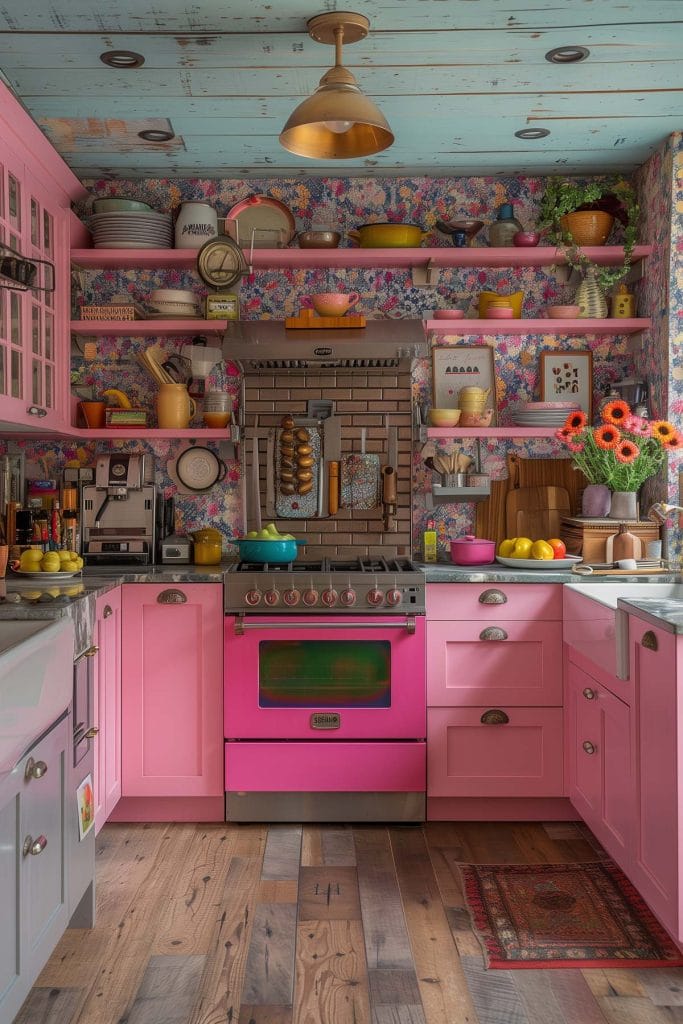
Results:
345 204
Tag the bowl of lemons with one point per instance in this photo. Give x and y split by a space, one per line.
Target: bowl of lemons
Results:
52 565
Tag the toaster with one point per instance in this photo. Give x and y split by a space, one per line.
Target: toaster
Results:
176 548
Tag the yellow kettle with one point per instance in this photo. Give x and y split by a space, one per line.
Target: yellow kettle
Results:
207 546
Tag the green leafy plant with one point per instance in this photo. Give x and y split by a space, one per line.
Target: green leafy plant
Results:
568 195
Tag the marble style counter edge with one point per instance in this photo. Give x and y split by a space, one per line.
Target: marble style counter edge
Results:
665 613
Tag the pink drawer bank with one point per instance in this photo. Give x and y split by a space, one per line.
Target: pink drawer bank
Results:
478 601
521 758
494 661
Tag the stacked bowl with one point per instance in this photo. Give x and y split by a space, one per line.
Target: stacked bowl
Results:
174 302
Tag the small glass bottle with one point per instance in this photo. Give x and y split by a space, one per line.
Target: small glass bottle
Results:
504 227
70 537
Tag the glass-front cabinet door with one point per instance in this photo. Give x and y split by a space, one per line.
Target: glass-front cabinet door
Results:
34 318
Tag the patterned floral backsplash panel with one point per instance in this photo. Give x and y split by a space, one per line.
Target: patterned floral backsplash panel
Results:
345 204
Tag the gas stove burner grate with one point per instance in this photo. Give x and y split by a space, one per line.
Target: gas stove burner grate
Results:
371 566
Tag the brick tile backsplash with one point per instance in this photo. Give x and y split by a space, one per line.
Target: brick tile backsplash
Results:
361 402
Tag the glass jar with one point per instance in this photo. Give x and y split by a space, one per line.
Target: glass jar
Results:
207 546
504 227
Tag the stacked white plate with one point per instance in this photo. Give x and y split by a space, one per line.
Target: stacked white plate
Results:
125 230
543 414
172 302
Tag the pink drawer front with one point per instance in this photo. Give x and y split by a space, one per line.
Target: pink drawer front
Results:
325 767
468 758
523 667
517 601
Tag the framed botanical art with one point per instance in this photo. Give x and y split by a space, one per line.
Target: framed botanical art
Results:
460 366
566 376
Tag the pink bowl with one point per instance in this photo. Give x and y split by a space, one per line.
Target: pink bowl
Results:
563 312
470 550
524 238
500 313
448 314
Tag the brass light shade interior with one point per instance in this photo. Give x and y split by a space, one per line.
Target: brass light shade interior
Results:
337 121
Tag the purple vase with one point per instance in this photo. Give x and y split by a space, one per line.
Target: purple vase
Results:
595 502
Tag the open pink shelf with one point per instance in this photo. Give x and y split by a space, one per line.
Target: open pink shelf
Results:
150 433
539 326
452 433
273 259
147 328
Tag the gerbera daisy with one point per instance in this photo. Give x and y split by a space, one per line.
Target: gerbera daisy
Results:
616 412
576 421
564 433
626 451
673 442
662 430
575 446
637 425
606 436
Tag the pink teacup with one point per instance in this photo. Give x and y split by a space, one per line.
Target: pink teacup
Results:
333 303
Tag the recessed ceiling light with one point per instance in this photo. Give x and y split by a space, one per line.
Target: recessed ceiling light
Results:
122 59
532 133
156 135
567 54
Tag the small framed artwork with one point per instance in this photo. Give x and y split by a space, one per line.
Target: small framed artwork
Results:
461 366
568 375
85 801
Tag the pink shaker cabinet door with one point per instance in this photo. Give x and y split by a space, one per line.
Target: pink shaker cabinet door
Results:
107 689
172 690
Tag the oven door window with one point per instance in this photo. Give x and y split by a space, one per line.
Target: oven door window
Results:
325 674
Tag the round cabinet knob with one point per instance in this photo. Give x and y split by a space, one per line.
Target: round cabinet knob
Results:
253 597
329 597
375 597
271 597
394 596
34 846
348 598
35 769
589 694
291 597
588 747
310 598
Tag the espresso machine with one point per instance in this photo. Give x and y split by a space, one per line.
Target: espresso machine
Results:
118 513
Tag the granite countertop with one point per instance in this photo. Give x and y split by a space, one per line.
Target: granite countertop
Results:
446 572
665 613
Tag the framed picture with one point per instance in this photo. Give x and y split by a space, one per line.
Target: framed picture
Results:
460 366
86 807
568 375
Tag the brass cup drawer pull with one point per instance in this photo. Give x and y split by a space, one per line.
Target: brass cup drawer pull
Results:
91 733
494 716
493 633
91 651
649 641
33 846
107 611
588 747
35 769
492 596
589 694
172 596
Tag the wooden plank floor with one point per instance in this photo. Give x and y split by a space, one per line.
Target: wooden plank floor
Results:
318 924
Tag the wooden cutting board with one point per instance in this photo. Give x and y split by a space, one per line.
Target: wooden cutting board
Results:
535 512
541 472
490 514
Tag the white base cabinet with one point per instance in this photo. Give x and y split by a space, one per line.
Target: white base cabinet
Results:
33 883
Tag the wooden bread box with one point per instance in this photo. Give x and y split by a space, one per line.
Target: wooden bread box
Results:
588 537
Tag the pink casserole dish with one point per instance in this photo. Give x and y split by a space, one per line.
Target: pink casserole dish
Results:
471 550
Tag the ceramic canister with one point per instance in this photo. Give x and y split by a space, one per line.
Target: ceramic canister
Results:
196 224
175 408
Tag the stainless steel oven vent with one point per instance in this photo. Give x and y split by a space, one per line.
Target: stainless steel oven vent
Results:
262 346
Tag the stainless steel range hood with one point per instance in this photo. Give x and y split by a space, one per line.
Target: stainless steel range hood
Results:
261 346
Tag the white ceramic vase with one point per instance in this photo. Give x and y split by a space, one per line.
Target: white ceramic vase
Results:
624 506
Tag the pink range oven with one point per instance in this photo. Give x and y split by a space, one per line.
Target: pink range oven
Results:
325 691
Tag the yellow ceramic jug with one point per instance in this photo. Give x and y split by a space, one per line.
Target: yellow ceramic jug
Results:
175 408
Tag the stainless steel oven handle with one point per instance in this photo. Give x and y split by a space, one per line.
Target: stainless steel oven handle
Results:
408 624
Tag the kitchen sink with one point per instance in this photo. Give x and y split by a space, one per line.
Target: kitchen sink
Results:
598 628
36 680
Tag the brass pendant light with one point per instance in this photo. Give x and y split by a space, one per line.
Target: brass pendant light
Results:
337 121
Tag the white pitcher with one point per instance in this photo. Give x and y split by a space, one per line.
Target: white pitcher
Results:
196 224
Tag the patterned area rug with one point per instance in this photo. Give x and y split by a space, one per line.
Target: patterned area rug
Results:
563 915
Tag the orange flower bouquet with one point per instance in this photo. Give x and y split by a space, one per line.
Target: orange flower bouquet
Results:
623 451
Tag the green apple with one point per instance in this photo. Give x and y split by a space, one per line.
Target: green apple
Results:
264 535
272 529
252 535
286 536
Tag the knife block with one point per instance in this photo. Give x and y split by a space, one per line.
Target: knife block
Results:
588 537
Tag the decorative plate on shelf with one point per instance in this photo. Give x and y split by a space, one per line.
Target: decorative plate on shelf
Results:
539 563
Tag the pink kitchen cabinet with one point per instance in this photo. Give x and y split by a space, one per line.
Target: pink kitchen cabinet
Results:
107 689
600 783
172 688
657 764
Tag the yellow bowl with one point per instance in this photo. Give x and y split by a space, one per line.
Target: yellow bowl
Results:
444 417
515 299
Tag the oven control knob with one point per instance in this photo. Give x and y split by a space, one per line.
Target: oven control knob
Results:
310 597
375 597
347 598
394 596
291 597
253 597
329 597
271 597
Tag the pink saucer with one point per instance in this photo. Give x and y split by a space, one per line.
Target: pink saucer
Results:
499 313
448 314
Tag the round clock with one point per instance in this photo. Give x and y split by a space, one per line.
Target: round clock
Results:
221 262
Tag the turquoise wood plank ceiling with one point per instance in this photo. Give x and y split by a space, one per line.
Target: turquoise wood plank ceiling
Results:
454 78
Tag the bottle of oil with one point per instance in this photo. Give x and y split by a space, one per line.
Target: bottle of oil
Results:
429 542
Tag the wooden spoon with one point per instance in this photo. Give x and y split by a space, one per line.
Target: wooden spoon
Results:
441 464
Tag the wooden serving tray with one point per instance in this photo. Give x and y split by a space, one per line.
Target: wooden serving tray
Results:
308 320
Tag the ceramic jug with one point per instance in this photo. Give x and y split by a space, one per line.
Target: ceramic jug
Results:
175 408
473 399
196 224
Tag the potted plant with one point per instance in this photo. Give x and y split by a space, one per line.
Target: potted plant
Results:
599 201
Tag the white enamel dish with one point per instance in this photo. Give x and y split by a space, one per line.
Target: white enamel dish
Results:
51 577
539 563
